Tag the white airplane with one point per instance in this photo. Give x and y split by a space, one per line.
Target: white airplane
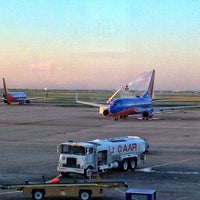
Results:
125 106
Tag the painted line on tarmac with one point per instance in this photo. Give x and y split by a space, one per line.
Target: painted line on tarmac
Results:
3 193
151 169
175 162
120 191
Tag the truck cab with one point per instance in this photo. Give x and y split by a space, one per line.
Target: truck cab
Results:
73 157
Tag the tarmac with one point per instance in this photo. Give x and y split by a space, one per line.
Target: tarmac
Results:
29 135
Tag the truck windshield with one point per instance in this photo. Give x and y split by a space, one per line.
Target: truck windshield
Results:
71 149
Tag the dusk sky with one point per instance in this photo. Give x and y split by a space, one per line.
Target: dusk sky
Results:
97 44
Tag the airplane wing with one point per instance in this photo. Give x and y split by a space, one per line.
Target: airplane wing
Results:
30 99
140 110
93 104
102 107
173 107
163 99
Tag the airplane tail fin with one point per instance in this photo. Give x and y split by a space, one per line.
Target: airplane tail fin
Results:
150 91
4 86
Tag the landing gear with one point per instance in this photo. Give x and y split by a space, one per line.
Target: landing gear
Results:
145 118
121 117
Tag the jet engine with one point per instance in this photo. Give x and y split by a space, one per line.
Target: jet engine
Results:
147 114
106 112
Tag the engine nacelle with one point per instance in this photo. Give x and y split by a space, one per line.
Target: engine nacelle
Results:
147 114
106 112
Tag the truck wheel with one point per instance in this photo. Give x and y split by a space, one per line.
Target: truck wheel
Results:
38 194
124 165
85 195
132 163
88 172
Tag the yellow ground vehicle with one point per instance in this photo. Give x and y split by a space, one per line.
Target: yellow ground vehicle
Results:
83 190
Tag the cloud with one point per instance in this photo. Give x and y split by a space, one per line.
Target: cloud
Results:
39 66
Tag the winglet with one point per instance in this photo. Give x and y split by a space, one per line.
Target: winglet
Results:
4 86
150 90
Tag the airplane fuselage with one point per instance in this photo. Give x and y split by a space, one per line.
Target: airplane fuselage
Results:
19 97
129 106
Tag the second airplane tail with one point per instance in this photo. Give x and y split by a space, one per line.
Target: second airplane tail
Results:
4 86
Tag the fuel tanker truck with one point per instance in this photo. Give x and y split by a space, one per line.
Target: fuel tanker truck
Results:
101 155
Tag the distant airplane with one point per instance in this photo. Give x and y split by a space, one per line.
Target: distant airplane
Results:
17 97
125 106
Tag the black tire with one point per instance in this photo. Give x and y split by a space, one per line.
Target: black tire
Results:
124 165
133 163
38 194
85 194
88 171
